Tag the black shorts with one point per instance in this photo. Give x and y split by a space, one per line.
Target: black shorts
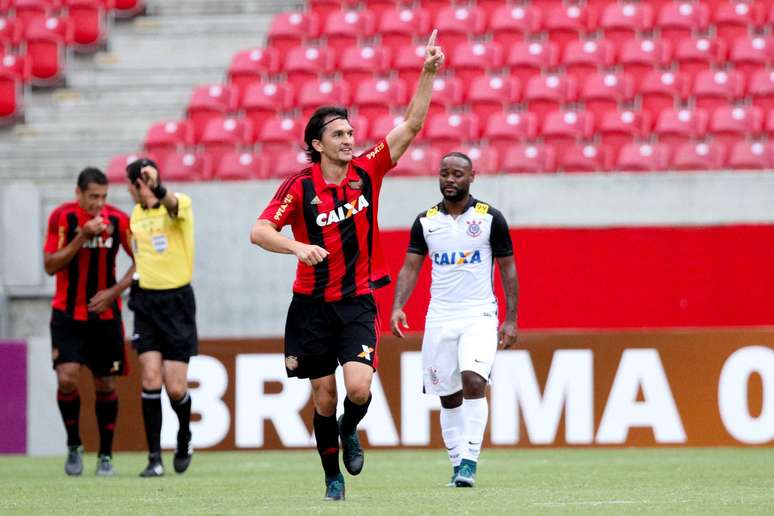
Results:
165 321
319 335
97 343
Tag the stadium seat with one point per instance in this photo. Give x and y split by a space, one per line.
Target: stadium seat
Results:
605 91
361 128
284 163
749 53
116 169
447 94
11 97
236 166
527 59
731 123
379 128
545 93
456 24
280 132
90 23
561 128
582 58
713 89
568 22
222 135
584 157
433 7
643 157
733 18
769 123
418 161
10 32
208 102
487 95
510 23
621 21
407 62
661 89
376 97
472 59
324 8
379 7
704 155
27 10
343 29
398 27
264 100
504 129
46 44
761 89
529 158
321 92
166 137
307 63
447 132
358 63
125 9
187 166
616 128
251 66
291 29
486 160
700 53
639 56
678 20
750 155
674 126
18 66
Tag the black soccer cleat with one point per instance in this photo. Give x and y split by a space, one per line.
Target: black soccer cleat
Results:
334 488
155 467
352 452
74 463
183 453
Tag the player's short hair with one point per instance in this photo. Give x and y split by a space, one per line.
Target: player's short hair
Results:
461 155
316 125
91 175
133 169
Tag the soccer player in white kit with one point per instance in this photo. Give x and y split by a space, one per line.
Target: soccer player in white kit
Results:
462 237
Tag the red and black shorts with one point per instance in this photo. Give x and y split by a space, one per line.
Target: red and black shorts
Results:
97 343
320 335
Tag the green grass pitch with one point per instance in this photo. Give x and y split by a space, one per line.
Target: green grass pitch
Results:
549 481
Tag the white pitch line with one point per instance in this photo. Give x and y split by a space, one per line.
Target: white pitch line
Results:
606 502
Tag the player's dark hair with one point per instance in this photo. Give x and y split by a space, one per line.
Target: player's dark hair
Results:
91 175
460 155
316 125
133 169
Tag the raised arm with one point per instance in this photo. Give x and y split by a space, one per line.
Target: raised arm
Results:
510 280
407 280
404 133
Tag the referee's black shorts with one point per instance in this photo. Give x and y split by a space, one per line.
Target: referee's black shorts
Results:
165 321
320 335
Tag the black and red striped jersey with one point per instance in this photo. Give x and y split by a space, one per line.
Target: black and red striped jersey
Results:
94 267
342 219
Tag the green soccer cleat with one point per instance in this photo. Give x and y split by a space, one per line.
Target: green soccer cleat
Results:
334 488
183 453
451 483
155 468
105 466
352 451
466 476
74 463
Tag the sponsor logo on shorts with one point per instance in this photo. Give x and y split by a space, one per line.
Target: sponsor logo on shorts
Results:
434 375
291 363
366 353
116 366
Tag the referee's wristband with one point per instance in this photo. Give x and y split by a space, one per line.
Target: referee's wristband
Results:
160 192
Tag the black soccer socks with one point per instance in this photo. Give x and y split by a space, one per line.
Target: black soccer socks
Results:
182 408
106 407
326 431
353 414
151 415
70 408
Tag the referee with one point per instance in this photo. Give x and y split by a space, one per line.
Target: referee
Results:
164 307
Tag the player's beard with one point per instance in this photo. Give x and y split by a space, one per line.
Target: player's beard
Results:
459 194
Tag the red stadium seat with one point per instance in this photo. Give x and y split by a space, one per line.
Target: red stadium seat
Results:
380 127
344 29
584 57
621 21
617 128
488 95
761 89
661 89
639 56
564 127
376 97
565 23
504 129
262 101
11 97
166 137
605 91
447 94
126 9
27 10
379 7
324 8
715 89
678 20
321 93
750 53
733 18
529 158
10 32
46 43
19 66
699 156
291 29
187 167
251 66
418 161
678 125
280 133
472 59
455 24
486 160
433 7
750 155
584 157
398 27
701 53
769 127
90 23
222 135
643 157
284 163
511 23
407 62
730 123
116 170
446 132
545 93
527 59
236 165
307 63
208 102
360 63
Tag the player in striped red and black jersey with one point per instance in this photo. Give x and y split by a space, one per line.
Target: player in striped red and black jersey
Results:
332 207
81 246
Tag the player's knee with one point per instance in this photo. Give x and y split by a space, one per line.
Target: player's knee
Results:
176 391
105 383
326 405
67 383
473 385
358 394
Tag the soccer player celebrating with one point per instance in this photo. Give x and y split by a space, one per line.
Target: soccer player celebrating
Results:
462 237
164 307
332 207
81 247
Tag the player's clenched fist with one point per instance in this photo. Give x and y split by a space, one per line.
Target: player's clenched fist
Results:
310 254
433 54
93 227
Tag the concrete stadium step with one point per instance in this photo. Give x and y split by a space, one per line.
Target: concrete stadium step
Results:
204 7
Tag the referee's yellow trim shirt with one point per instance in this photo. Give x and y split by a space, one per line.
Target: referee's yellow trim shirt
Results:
163 246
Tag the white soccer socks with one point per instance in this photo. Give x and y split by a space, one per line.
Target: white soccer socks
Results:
452 430
475 414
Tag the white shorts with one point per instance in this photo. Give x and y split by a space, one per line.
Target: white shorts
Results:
455 346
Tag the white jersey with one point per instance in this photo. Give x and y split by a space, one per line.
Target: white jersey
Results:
462 253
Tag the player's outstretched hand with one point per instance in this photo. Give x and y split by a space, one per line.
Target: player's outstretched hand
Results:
93 227
433 54
397 320
310 254
507 335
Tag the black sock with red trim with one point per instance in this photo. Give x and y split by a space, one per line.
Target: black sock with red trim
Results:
106 407
326 431
70 408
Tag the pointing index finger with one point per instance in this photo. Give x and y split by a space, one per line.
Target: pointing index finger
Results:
431 41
